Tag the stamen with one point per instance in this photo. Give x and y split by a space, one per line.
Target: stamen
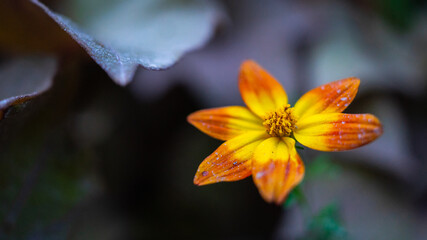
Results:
280 123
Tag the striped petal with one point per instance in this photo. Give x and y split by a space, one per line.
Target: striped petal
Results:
231 161
276 168
260 91
333 97
226 122
337 131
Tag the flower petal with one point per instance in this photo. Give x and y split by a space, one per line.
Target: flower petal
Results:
226 122
333 97
276 168
337 131
260 91
231 161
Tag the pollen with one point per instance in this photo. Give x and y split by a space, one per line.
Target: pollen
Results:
281 122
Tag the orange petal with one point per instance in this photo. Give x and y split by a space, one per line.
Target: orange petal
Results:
231 161
226 122
333 97
260 91
337 131
276 168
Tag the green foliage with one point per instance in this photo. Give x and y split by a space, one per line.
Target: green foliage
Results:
295 196
326 225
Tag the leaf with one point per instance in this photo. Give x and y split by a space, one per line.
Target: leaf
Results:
24 78
120 35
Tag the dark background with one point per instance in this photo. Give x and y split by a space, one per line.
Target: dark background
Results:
89 159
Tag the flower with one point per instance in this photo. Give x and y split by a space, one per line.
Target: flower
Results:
260 138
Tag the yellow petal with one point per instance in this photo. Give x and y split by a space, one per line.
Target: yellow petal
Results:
226 122
337 131
260 91
333 97
276 168
231 161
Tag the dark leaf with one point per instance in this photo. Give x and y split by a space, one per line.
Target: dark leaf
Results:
24 78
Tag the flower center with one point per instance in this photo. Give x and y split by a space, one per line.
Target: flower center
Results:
281 122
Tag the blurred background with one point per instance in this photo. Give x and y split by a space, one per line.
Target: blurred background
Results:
94 142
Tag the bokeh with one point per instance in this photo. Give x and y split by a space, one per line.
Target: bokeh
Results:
94 95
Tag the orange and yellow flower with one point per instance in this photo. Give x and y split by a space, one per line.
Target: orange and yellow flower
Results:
260 137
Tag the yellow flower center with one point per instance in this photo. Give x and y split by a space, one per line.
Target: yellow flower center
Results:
280 123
